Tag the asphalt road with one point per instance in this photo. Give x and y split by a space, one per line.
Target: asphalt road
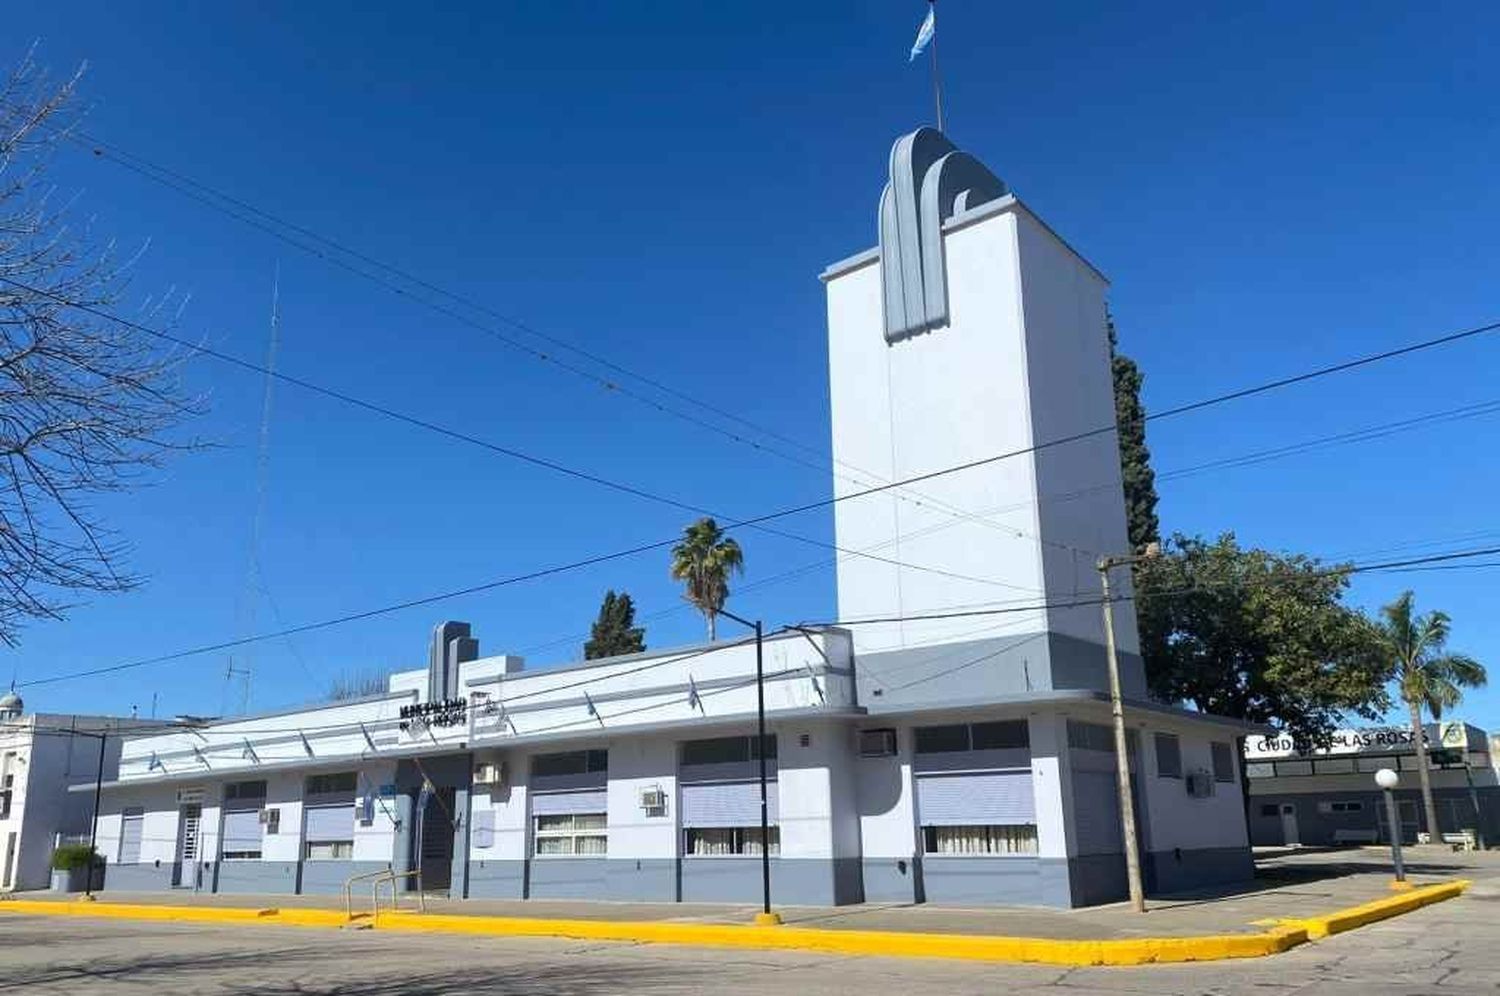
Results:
1451 948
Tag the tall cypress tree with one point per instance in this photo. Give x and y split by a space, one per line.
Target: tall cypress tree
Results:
615 631
1135 457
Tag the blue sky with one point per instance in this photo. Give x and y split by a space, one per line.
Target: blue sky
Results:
1269 187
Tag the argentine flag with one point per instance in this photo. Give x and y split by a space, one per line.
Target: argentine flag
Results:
924 34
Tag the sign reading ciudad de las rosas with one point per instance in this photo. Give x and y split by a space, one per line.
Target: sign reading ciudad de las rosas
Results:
1371 740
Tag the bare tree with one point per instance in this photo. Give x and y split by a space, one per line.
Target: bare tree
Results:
87 406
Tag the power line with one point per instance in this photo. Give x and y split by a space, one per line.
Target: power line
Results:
1199 405
267 222
386 412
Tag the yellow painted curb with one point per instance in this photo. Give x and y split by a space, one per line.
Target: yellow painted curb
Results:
1381 909
1131 951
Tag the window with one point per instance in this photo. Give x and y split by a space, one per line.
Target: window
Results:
328 823
273 821
1334 766
1223 755
1013 839
1270 809
1168 756
942 739
241 836
575 834
725 750
719 841
1346 806
244 792
1010 734
337 783
877 743
1090 736
574 762
131 821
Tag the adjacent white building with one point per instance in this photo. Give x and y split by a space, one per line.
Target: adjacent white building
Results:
41 755
963 759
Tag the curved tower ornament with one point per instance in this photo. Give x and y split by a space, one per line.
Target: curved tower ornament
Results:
931 180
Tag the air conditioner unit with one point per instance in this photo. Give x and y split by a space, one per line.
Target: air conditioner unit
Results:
654 801
489 773
877 743
1200 784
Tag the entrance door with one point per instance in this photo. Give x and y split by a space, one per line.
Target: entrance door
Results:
189 828
436 857
10 861
1289 834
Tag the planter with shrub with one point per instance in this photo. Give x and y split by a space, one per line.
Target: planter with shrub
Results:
71 864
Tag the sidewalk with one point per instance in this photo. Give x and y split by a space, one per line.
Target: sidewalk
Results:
1306 886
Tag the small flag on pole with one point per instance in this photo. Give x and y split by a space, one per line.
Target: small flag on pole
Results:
924 34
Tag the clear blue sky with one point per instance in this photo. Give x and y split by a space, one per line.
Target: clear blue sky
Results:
1269 187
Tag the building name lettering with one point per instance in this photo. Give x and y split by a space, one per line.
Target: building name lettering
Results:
440 712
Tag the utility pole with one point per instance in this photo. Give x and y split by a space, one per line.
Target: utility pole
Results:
765 917
1117 715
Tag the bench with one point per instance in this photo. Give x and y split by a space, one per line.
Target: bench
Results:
1347 836
1462 840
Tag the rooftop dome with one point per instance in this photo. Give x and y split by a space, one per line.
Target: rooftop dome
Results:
11 704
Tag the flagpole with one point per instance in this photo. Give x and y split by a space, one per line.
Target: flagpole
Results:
937 79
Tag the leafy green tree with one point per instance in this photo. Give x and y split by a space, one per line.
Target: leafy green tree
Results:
704 561
1257 635
1135 458
615 632
1425 674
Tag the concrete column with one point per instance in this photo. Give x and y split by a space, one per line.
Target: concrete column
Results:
402 837
458 883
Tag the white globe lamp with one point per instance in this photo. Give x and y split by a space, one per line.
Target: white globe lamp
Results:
1387 779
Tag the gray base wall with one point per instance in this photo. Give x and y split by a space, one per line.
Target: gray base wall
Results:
568 878
890 880
147 877
981 881
641 880
1098 878
235 877
1317 829
322 878
496 879
1181 870
794 881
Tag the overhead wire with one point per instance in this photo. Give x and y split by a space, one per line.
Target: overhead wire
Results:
1201 404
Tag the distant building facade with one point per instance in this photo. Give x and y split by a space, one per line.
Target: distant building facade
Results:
1327 796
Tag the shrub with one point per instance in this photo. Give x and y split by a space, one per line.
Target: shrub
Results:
69 857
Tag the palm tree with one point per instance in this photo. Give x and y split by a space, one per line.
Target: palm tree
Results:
1426 675
704 560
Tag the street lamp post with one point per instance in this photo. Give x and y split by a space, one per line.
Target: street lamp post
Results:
1388 780
765 917
1117 715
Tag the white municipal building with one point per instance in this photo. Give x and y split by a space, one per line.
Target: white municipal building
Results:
965 760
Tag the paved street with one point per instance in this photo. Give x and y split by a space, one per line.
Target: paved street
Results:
1453 947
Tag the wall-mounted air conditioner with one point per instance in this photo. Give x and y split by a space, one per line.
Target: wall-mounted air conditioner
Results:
1200 784
654 801
489 773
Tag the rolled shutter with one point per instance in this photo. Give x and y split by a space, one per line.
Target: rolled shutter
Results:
561 803
326 823
726 804
985 798
242 831
130 838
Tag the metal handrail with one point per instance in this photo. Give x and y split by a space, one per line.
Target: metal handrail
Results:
349 889
392 877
